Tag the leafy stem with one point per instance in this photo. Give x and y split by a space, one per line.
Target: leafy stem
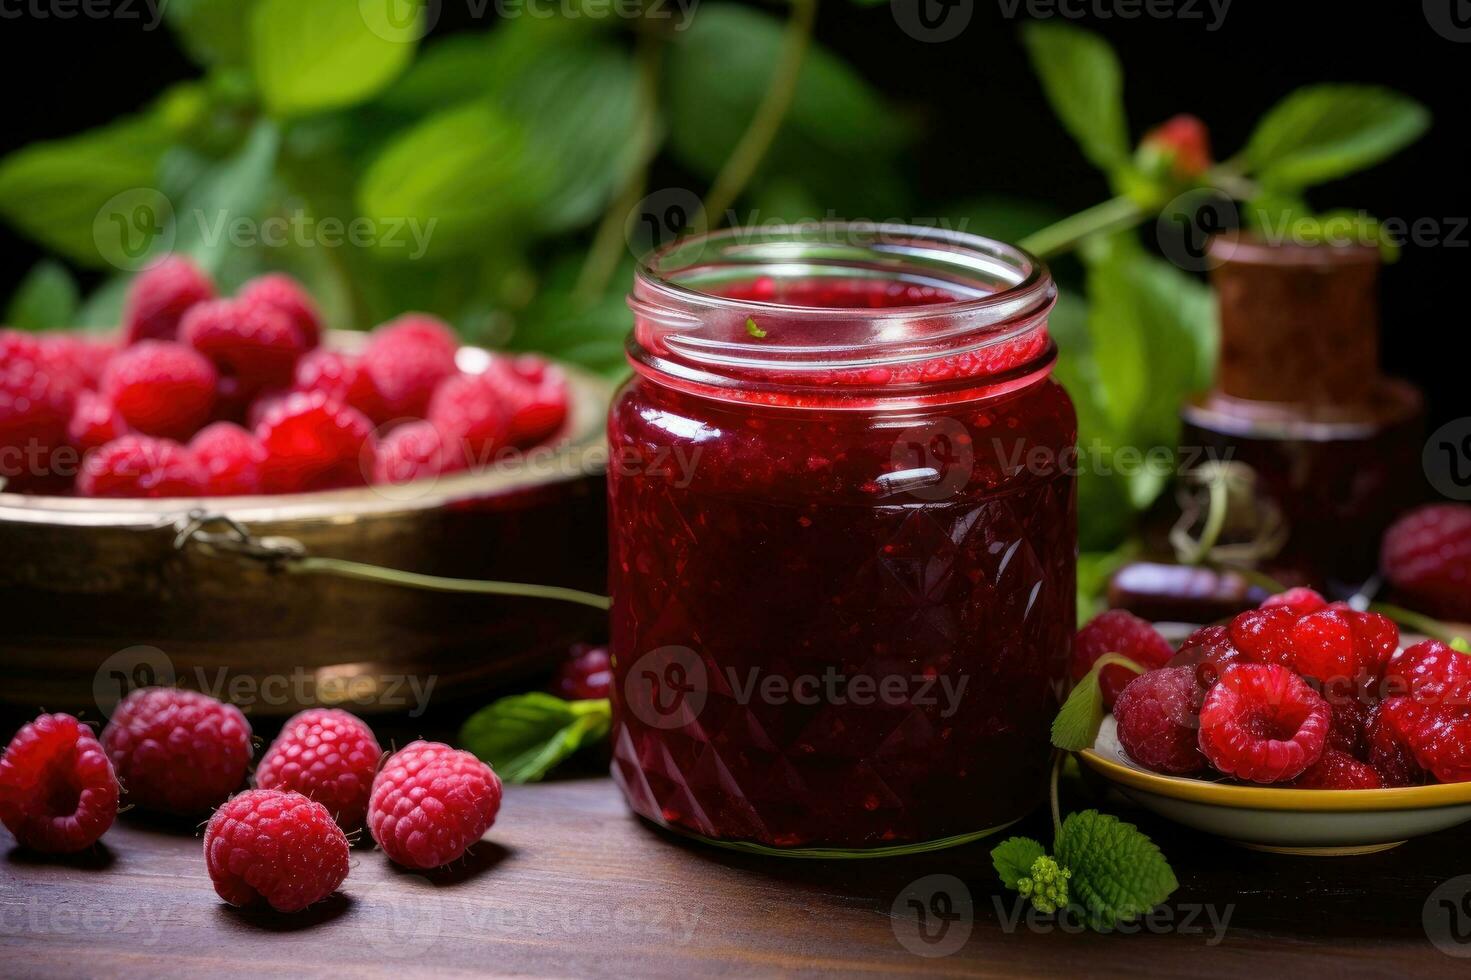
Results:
437 583
1115 214
1428 625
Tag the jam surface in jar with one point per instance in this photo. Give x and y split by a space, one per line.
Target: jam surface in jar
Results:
843 591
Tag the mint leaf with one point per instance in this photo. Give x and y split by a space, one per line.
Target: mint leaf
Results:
46 298
1118 873
213 32
1082 78
1014 858
753 329
308 57
525 736
1076 726
1325 131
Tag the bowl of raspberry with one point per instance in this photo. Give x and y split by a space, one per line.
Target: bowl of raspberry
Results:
1301 727
399 447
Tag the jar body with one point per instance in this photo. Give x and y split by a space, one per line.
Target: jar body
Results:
838 627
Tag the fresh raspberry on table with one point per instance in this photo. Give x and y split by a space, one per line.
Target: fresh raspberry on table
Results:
140 466
315 443
534 392
1427 559
253 346
338 375
1264 636
1262 723
585 675
1386 747
1431 673
1121 632
431 802
95 422
1301 601
161 388
405 360
1157 723
275 847
230 458
35 409
327 755
177 751
413 451
1336 769
160 296
58 793
471 412
81 359
1209 650
284 293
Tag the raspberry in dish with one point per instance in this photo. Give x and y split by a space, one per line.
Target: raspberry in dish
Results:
339 376
1208 650
430 803
413 451
285 294
1336 769
94 422
231 460
161 388
1117 631
1261 723
1157 721
405 361
276 848
58 792
35 409
1301 601
315 443
253 346
140 466
471 412
160 296
177 751
1264 636
1387 748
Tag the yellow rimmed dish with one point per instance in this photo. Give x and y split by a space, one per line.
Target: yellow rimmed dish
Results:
1289 821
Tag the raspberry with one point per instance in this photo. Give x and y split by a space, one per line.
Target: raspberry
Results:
413 451
1431 673
338 375
1117 631
1385 745
159 298
80 359
94 422
253 346
177 751
1262 723
328 755
1157 725
287 295
1264 636
280 848
230 459
161 388
1427 558
1440 737
1182 143
58 793
314 443
431 802
470 411
140 466
405 360
1300 601
1348 720
534 392
1323 646
1377 638
35 408
1338 770
586 674
1209 650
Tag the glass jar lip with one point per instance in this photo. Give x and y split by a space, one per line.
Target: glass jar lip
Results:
697 337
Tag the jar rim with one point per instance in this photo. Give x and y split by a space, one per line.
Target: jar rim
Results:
685 330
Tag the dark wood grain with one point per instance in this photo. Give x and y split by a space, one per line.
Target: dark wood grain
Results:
567 883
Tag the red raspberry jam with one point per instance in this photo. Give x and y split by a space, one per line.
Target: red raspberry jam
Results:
843 532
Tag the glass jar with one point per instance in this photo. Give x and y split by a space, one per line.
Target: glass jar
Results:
843 538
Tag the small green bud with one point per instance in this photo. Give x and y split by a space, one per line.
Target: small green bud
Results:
1046 887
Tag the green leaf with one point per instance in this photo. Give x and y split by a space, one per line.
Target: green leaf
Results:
1118 874
1326 131
754 329
213 32
46 298
588 334
1076 726
311 56
1461 645
234 189
1014 857
56 192
1085 85
525 736
462 174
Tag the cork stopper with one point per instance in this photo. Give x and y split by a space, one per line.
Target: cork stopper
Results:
1299 323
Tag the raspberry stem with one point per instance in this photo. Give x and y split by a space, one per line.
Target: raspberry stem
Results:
436 583
1419 622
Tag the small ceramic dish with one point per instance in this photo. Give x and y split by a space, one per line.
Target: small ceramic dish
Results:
1322 822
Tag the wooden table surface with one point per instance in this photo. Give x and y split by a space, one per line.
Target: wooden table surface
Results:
567 883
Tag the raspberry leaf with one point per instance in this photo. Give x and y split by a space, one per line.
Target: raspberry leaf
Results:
1076 726
524 737
1118 874
1322 132
753 328
307 57
1014 858
1085 85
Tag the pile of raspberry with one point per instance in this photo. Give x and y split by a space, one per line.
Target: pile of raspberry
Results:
1300 692
284 843
206 396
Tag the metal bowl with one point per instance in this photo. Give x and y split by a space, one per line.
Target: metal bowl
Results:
99 596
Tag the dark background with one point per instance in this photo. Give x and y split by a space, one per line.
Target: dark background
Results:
989 131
